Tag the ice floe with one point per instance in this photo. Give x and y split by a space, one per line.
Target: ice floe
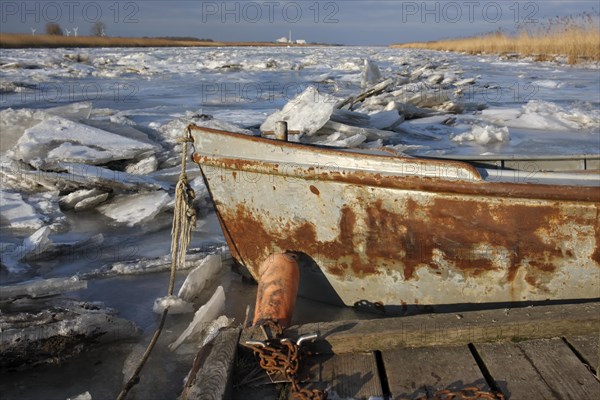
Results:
135 209
537 114
16 213
59 139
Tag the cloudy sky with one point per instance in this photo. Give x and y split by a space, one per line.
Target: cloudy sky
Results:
352 22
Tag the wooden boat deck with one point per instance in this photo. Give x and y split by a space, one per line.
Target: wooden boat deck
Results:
541 352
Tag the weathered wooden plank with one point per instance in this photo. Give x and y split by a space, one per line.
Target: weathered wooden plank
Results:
213 380
352 376
560 368
413 373
588 348
266 392
454 329
513 372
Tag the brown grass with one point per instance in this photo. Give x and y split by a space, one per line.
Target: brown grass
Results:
576 42
10 40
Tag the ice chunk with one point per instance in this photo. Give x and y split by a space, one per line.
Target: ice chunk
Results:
371 74
46 204
71 177
46 142
207 313
91 202
35 244
351 118
132 210
42 288
338 139
484 135
84 196
16 213
74 153
73 111
434 79
174 304
200 276
39 246
82 396
145 166
13 124
428 98
212 331
466 81
385 119
307 113
332 127
175 129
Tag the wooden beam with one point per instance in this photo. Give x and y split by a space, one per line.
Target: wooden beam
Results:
345 376
454 329
588 348
420 373
213 380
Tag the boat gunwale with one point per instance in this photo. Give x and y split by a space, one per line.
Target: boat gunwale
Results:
525 190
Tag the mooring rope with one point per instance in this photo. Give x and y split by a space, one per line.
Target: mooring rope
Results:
184 220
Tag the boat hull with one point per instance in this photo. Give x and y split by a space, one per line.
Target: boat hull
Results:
396 231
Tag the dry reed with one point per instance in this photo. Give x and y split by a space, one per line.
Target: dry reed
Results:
576 38
10 40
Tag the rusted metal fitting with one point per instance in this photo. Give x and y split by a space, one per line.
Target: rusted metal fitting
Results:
277 289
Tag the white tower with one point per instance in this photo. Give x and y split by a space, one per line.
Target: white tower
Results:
33 31
290 39
75 29
68 32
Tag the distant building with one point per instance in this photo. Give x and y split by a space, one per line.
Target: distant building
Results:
282 40
300 41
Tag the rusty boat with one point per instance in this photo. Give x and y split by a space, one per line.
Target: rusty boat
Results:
393 231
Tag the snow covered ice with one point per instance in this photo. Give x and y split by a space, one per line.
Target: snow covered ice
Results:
88 181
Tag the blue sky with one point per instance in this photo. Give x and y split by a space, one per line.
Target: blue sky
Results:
352 22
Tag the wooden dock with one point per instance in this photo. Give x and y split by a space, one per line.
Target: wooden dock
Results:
540 352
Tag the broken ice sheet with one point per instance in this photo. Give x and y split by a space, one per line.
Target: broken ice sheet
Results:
198 278
18 214
135 209
59 139
203 317
34 246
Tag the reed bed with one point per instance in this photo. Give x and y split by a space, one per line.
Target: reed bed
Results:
9 40
575 38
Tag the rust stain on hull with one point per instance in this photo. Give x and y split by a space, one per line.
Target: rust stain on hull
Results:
409 239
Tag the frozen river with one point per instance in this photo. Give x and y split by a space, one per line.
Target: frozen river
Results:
103 123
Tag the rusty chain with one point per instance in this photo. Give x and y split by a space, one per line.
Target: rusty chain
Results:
283 356
468 393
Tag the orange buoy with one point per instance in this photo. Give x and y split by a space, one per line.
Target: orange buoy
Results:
277 289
